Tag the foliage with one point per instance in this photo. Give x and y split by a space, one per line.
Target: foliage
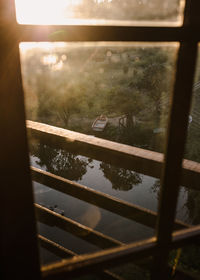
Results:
117 102
155 78
67 104
116 81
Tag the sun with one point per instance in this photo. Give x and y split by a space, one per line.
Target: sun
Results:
45 11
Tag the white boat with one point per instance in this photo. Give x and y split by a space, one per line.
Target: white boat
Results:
100 123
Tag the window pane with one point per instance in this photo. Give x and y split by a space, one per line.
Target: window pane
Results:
113 91
98 11
116 91
192 155
192 151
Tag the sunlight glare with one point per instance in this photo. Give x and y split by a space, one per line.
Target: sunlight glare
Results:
47 46
45 11
101 12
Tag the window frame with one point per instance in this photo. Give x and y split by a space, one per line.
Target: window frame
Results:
13 126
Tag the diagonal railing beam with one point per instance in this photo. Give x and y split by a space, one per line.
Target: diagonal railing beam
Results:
116 256
55 248
64 253
51 218
146 263
102 200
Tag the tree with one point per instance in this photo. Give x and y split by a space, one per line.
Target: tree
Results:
67 104
125 101
155 82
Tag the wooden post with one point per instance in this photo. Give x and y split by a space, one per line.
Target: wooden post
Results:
18 243
177 132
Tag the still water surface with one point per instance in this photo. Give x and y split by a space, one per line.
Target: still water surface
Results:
142 191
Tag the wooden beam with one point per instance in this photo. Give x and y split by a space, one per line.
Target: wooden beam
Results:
143 161
102 200
176 138
94 262
51 218
55 248
64 253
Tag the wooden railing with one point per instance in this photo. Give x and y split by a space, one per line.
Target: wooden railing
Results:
144 161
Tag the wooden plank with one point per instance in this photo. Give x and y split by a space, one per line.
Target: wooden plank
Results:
62 252
55 248
117 154
102 200
97 261
51 218
176 137
140 160
190 174
115 256
18 241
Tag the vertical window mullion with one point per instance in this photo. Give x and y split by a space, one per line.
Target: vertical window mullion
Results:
176 137
18 242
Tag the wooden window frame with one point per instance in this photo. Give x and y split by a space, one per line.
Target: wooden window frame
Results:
19 252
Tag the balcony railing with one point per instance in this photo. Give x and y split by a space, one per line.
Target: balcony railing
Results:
140 160
144 161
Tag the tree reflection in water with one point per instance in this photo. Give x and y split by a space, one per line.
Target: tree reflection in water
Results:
73 167
156 188
120 178
60 162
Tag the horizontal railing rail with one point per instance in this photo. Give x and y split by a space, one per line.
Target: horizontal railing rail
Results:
55 248
143 161
115 252
44 215
116 256
64 253
125 209
146 263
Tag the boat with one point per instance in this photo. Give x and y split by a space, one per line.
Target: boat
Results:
100 123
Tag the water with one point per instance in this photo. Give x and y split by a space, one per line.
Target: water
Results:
130 186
